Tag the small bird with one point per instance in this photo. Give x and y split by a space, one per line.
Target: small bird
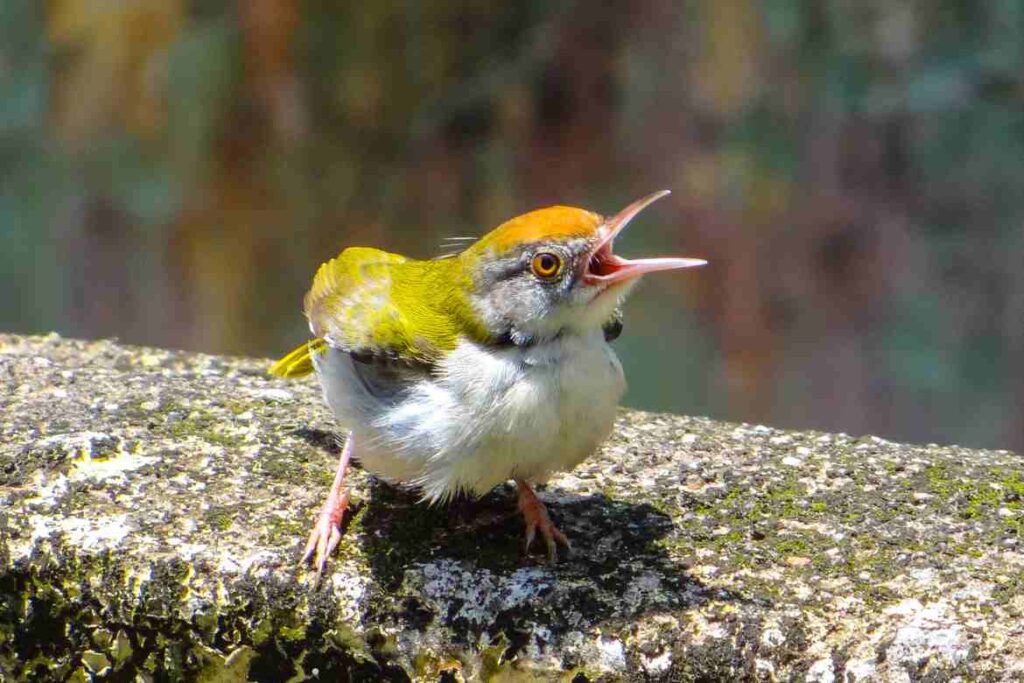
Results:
456 374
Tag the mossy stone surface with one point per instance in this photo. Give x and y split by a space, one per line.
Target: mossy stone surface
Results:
153 505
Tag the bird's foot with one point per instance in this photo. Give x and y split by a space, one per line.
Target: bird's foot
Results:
326 533
535 513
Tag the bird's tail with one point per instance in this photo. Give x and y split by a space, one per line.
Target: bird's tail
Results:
299 362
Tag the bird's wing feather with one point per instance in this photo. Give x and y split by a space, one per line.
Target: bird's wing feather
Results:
299 362
373 303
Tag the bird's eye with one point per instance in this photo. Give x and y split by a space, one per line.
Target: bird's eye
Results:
546 265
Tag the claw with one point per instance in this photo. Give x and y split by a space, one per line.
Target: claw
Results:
535 513
326 532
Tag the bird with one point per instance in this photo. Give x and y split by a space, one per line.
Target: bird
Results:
452 376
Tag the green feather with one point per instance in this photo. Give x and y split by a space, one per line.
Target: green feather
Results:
299 362
370 301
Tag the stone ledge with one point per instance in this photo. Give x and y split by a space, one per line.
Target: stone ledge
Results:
154 504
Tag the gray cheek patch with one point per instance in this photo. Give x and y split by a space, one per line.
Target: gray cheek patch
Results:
503 269
514 304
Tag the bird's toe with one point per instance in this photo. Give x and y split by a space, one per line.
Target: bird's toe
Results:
326 533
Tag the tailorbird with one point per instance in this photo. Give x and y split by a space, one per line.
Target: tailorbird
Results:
456 374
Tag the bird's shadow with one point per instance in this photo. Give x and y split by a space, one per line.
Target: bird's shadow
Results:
400 530
620 566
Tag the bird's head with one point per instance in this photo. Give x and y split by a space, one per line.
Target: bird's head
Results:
553 270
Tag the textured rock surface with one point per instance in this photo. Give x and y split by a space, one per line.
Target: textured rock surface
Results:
153 504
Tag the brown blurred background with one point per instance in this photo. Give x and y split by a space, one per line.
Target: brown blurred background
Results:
172 172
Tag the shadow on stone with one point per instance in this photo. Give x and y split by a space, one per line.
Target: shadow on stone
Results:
320 438
464 563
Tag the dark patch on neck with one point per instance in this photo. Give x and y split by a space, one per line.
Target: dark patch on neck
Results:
612 329
509 338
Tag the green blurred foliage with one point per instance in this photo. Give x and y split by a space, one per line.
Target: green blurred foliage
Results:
172 172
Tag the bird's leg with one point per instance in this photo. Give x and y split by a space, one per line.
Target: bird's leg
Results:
326 533
536 516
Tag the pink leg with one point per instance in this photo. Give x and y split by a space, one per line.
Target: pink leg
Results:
326 533
536 516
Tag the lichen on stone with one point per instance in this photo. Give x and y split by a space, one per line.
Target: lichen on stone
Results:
153 505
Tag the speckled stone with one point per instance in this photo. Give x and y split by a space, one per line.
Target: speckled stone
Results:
153 505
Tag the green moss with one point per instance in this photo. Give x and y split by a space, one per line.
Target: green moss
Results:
878 538
283 530
63 605
221 669
977 498
980 501
1013 483
219 518
1010 589
941 480
293 632
262 632
59 622
291 467
96 662
210 426
222 438
235 406
792 546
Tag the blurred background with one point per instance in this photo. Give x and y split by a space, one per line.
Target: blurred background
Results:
173 171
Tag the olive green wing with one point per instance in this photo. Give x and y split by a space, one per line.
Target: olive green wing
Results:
372 303
348 294
299 362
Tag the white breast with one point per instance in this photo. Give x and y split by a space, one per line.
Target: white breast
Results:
488 415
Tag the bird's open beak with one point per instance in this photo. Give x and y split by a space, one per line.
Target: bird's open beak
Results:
604 267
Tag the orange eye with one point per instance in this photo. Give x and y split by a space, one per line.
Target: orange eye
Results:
546 265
